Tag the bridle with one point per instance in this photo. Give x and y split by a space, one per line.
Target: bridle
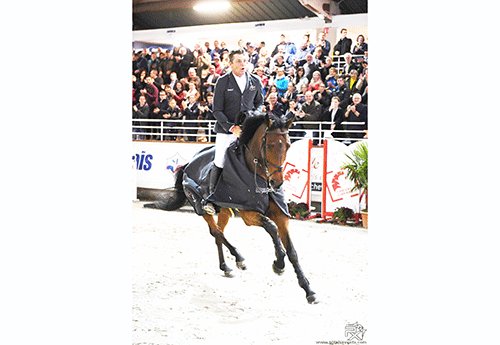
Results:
264 165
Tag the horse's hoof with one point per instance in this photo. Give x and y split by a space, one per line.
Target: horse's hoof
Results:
241 265
278 271
229 274
312 299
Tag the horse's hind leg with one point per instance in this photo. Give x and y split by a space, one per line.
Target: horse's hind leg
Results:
281 221
218 232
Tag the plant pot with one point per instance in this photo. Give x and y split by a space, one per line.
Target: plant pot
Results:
364 217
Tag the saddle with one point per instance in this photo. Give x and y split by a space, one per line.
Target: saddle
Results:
237 187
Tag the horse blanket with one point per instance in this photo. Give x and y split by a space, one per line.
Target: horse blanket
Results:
236 187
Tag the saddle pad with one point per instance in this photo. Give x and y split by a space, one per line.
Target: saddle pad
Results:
236 187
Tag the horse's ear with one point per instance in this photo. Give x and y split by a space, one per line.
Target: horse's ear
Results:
268 121
289 122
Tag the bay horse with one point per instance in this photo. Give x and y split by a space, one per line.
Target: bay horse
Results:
264 140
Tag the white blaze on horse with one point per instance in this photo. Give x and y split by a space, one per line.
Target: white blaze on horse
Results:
252 183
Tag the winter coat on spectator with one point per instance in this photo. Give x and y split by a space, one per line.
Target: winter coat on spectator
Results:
343 46
344 94
313 113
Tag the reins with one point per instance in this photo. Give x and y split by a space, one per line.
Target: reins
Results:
279 168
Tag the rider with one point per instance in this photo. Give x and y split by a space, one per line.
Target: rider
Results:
236 91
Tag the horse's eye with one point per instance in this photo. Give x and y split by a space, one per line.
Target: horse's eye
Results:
269 147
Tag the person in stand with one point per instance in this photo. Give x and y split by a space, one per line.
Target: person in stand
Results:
324 44
274 106
235 92
361 46
160 110
356 112
343 45
296 129
191 112
343 92
173 112
335 116
311 112
140 111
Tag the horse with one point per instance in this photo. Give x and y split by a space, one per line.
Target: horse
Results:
264 142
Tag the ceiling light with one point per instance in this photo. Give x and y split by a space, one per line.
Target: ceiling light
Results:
212 6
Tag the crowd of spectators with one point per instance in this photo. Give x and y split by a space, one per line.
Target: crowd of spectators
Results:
310 81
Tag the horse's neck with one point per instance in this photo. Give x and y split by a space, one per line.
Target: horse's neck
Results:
254 146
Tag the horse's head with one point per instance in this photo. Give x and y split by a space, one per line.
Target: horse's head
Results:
275 144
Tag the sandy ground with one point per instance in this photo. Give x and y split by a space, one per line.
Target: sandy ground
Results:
179 295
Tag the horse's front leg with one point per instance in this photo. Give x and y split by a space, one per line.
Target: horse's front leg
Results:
282 221
217 230
257 219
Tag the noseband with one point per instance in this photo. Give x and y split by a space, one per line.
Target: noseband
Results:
264 165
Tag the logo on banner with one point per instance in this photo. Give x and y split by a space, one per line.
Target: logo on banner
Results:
143 161
175 162
338 184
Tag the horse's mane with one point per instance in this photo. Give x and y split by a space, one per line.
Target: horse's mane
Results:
253 122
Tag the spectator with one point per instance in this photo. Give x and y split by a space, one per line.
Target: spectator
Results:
325 68
323 96
272 89
318 57
290 93
343 45
151 93
296 129
140 111
335 116
310 66
311 112
307 38
253 56
160 110
263 78
323 44
209 50
352 82
300 56
173 112
301 78
202 63
138 84
208 83
184 62
139 63
315 81
264 55
282 42
274 106
191 78
153 63
301 95
192 91
343 93
331 79
281 81
217 65
290 50
216 50
223 48
208 114
179 94
356 112
349 65
279 62
166 66
191 112
157 81
361 46
173 80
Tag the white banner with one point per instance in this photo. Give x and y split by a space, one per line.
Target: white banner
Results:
296 172
338 187
157 162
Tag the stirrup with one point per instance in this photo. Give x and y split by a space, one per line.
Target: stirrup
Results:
209 208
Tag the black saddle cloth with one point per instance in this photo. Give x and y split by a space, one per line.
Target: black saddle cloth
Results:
236 187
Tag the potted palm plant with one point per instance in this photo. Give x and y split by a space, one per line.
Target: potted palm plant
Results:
357 172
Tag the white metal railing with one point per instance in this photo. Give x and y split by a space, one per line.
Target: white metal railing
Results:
202 130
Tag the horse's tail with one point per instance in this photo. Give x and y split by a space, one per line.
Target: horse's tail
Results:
172 199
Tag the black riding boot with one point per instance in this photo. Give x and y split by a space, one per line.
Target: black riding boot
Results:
213 179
